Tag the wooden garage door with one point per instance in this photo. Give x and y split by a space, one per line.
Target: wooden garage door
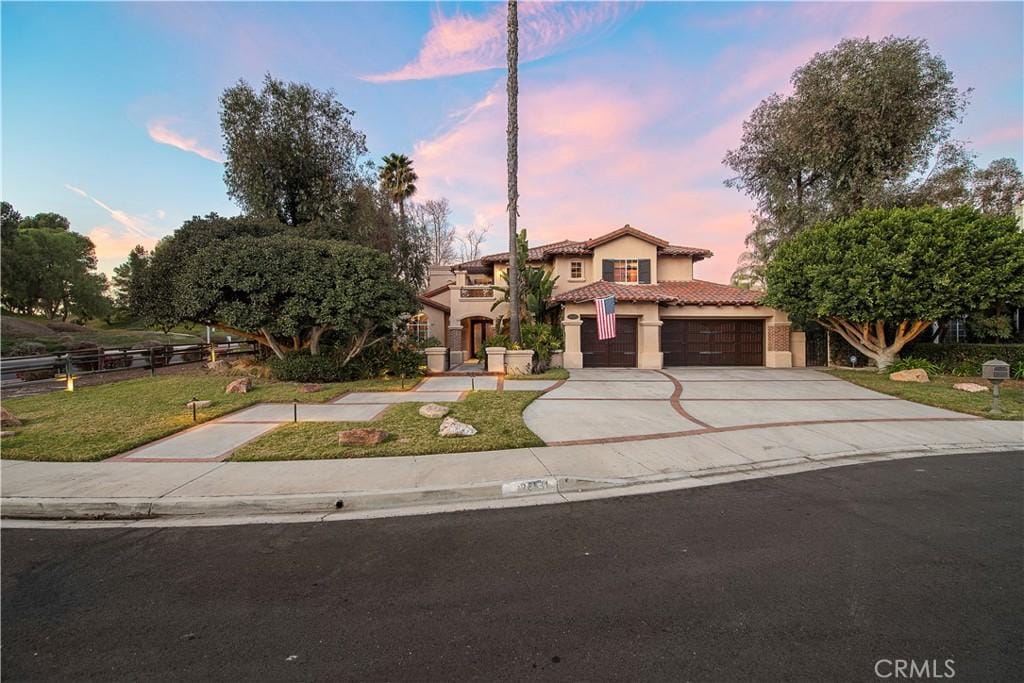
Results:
619 352
713 342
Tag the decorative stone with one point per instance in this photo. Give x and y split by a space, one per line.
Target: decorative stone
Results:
452 427
239 386
6 434
218 367
912 375
433 410
7 419
198 404
361 437
969 386
310 388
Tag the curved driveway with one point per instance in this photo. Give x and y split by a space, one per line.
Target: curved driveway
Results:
608 405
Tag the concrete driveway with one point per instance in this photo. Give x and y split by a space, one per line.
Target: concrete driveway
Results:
606 405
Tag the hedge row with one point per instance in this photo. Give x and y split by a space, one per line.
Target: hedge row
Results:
378 360
965 359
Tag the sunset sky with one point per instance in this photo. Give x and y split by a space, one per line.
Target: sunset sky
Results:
109 111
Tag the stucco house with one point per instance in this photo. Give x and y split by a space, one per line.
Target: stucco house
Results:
664 316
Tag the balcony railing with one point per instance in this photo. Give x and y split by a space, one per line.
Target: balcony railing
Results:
476 292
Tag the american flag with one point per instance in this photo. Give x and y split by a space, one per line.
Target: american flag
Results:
605 317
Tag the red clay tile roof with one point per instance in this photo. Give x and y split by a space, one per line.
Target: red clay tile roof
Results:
574 248
698 292
626 229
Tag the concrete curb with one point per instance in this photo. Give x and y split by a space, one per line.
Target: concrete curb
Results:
559 488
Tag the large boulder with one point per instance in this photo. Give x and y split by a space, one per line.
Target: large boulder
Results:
434 411
361 437
239 386
970 387
452 427
7 419
198 404
912 375
311 388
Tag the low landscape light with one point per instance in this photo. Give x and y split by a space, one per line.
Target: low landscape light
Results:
995 371
70 383
193 404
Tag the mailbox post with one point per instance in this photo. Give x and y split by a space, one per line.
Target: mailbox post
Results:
995 371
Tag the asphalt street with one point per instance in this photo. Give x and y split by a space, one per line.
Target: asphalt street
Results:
814 576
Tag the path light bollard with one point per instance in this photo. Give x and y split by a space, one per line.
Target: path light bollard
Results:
295 410
995 371
70 378
194 399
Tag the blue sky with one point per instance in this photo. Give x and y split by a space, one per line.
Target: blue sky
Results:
109 111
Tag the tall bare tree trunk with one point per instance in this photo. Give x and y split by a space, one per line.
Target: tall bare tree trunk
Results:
513 169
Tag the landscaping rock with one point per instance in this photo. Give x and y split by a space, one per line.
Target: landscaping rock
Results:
198 404
239 386
5 434
310 388
912 375
969 386
361 437
218 367
245 362
452 427
433 410
7 419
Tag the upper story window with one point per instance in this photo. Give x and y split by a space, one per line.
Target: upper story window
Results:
576 270
626 270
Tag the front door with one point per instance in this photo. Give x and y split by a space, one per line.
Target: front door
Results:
479 331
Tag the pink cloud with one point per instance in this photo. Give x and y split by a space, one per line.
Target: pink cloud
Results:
589 164
460 44
113 246
160 131
1013 132
136 225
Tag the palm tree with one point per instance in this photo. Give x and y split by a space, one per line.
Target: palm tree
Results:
398 180
513 169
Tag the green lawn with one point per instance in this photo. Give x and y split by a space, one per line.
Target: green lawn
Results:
97 422
551 373
498 417
939 392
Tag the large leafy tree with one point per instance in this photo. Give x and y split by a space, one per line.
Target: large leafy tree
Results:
286 292
398 180
46 219
9 220
862 119
881 277
128 281
282 287
51 270
291 151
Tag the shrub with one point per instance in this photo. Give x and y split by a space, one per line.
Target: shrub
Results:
964 360
542 339
427 343
1017 370
912 363
494 340
26 348
405 361
302 367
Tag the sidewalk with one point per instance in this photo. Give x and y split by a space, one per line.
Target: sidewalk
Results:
322 488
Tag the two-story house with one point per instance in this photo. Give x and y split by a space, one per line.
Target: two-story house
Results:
664 317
